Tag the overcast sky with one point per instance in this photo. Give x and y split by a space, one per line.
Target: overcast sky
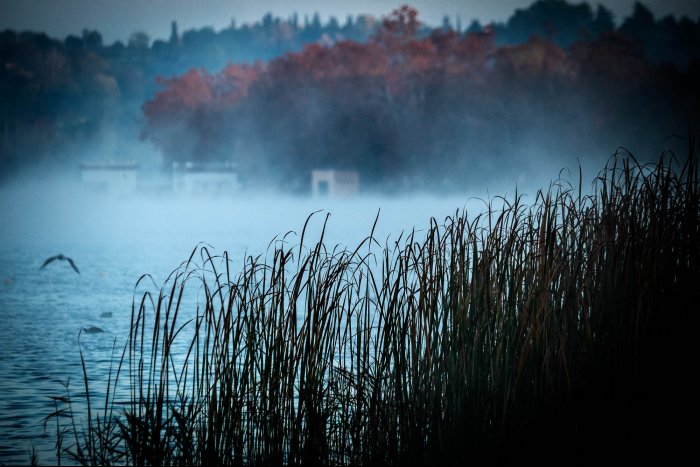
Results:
117 19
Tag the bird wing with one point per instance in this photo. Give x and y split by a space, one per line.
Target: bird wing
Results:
48 261
73 265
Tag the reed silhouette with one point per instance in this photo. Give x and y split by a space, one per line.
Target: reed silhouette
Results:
557 328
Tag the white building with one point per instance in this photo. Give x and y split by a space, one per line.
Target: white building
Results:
113 177
205 178
335 183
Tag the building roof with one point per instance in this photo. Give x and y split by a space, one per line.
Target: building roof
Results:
215 167
109 165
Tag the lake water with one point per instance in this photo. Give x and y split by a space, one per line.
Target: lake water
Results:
113 242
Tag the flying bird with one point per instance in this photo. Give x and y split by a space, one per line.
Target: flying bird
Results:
62 258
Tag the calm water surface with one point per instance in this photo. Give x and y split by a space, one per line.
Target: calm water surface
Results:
114 241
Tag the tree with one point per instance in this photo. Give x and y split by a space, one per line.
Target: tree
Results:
562 22
92 39
603 21
402 22
174 35
139 40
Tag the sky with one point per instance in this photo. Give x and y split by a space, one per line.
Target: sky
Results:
118 19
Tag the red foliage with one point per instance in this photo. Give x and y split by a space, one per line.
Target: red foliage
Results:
197 89
182 95
391 76
395 66
395 56
195 95
233 83
316 63
401 23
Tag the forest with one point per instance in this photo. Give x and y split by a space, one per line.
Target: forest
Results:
405 104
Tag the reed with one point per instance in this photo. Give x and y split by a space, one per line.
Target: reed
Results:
529 330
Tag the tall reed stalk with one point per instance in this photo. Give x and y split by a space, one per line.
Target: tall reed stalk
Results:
562 326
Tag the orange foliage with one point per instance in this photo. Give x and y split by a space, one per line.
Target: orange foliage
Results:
198 90
395 56
233 83
181 95
396 73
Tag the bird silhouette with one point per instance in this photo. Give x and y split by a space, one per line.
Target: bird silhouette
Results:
62 258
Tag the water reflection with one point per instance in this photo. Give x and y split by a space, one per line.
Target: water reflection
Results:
114 242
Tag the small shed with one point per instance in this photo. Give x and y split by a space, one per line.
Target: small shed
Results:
110 177
197 178
335 183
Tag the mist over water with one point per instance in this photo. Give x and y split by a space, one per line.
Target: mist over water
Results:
114 240
47 217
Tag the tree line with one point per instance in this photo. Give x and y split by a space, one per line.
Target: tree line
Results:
391 96
438 110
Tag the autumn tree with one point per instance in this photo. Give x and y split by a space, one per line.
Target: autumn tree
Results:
182 116
411 106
